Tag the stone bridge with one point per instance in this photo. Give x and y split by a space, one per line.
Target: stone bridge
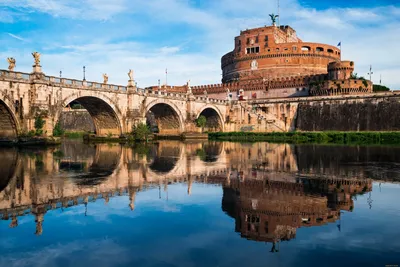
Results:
115 109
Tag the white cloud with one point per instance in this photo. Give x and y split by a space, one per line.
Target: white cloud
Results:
16 36
170 50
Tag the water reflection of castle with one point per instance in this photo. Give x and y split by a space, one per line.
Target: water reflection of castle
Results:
271 211
262 182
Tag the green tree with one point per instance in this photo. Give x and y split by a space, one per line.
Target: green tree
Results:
380 88
39 123
141 132
58 130
201 122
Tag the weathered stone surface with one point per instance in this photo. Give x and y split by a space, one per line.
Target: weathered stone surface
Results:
77 121
357 115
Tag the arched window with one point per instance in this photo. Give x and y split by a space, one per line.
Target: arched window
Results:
306 48
330 51
320 49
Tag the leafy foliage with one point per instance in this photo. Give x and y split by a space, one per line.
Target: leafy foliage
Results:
331 137
58 130
380 88
39 123
201 121
141 132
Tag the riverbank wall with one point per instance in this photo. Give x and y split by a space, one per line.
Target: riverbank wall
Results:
370 112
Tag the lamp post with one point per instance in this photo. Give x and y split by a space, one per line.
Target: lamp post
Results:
84 73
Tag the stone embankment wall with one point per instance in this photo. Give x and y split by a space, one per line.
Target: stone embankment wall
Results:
367 112
78 120
359 114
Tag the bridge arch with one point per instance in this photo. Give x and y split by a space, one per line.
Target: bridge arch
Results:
9 125
215 121
166 116
107 117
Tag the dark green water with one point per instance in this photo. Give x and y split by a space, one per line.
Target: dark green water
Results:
200 204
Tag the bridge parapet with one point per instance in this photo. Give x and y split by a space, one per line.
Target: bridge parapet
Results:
211 100
179 96
15 75
73 83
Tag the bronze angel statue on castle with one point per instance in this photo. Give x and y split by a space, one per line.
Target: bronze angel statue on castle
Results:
273 18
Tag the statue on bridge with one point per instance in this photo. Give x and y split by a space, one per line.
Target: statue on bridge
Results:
36 57
105 77
11 63
130 74
189 89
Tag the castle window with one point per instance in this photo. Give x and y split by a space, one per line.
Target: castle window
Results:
277 50
266 44
266 38
306 48
294 48
239 43
320 49
248 41
256 39
253 50
330 51
286 49
269 50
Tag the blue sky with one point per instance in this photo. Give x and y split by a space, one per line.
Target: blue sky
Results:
186 36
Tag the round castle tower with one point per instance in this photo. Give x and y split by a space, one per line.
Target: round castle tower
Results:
275 52
340 70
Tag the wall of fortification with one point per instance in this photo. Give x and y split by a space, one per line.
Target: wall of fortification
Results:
363 114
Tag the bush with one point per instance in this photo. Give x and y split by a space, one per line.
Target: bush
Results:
39 123
58 131
380 88
141 132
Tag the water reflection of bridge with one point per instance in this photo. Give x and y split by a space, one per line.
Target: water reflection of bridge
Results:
269 177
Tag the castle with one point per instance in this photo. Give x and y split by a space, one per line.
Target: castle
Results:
273 62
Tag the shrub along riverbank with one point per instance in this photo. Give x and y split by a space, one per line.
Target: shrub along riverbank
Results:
312 137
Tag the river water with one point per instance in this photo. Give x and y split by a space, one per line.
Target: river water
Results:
200 204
